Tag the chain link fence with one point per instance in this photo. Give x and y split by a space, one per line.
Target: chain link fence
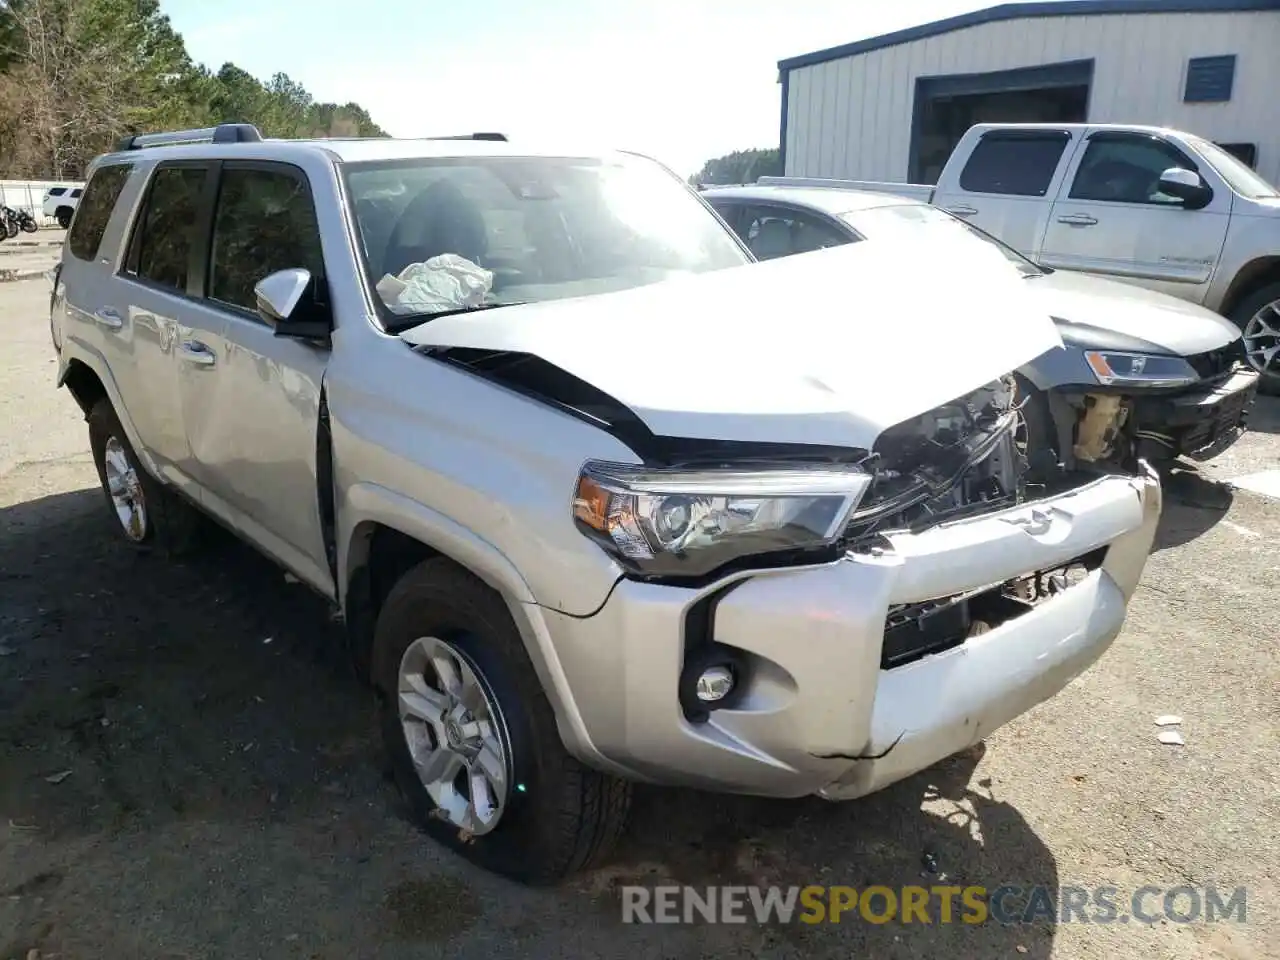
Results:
30 195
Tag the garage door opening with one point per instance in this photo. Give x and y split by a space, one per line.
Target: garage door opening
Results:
945 107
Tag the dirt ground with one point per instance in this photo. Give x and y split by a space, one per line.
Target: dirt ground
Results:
188 771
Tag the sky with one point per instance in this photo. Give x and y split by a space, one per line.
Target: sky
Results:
680 80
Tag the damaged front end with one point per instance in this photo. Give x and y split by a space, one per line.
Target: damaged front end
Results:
952 461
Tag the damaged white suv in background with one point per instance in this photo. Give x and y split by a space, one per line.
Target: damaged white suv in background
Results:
599 501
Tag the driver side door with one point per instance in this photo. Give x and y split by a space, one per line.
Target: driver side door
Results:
1111 218
250 399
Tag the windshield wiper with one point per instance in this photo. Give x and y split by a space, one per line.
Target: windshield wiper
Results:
417 319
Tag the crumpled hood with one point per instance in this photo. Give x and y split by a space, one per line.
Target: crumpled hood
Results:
830 347
1165 323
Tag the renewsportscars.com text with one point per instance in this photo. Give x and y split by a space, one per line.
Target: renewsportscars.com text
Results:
1007 904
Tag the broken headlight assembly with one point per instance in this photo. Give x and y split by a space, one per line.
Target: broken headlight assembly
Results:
1117 369
691 522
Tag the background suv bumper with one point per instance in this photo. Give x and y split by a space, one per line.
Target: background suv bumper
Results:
823 710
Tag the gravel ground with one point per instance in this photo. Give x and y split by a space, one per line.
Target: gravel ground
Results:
187 771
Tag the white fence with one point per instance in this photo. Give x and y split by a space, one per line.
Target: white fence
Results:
29 195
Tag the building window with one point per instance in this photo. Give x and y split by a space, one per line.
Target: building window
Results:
1210 79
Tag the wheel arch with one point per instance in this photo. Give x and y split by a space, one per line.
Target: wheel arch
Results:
385 534
1253 276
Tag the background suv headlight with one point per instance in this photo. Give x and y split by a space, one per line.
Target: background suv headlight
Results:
689 523
1115 368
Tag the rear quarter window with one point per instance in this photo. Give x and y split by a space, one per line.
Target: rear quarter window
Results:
94 210
1019 166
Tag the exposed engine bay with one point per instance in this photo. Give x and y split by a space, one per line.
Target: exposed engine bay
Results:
955 460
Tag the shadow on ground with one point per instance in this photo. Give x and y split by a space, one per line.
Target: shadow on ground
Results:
187 768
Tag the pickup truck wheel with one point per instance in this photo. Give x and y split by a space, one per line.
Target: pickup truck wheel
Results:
1258 317
147 515
472 738
63 216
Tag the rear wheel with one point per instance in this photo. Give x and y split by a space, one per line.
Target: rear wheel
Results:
146 513
1258 317
29 225
472 738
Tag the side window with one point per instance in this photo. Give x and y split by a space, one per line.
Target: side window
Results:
95 208
1020 166
1126 169
161 248
265 221
771 232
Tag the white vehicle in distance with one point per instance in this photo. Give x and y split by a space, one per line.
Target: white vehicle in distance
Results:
599 498
1159 208
60 204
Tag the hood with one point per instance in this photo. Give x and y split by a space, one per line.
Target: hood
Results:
830 347
1129 317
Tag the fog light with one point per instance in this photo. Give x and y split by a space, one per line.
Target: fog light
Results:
714 684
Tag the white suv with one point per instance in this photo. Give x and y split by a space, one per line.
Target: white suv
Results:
60 204
600 499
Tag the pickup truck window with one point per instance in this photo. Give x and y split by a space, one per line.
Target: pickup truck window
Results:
1020 165
1122 168
1239 177
544 227
265 221
160 251
101 194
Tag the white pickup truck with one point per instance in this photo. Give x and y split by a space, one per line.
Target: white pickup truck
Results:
1156 207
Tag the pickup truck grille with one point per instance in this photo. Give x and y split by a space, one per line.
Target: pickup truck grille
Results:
1217 363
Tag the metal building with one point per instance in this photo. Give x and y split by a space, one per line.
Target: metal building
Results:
892 107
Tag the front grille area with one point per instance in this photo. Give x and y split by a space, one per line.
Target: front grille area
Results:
1217 363
915 630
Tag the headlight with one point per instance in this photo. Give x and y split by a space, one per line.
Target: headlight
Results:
691 522
1139 369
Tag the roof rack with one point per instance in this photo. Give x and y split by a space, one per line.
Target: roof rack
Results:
222 133
499 137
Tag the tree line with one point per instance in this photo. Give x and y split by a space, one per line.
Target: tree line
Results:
77 75
741 166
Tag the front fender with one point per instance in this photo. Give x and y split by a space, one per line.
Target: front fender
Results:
364 503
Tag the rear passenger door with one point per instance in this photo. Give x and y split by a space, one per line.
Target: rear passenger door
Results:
250 399
1008 183
160 285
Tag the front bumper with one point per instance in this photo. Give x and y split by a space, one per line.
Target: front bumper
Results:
1198 424
820 714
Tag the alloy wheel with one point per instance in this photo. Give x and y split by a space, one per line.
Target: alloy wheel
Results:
455 733
1262 340
125 488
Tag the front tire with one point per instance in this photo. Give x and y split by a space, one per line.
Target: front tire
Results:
472 739
147 515
1258 317
63 216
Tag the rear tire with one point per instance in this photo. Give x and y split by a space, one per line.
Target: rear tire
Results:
557 816
146 514
1254 315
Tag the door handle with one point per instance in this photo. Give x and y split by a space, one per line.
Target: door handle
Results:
193 351
963 210
1078 220
108 317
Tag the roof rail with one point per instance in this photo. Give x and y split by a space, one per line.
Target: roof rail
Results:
499 137
222 133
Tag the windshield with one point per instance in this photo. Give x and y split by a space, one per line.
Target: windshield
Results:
893 221
1237 174
442 235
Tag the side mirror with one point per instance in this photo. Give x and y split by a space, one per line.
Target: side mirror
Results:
288 303
1188 186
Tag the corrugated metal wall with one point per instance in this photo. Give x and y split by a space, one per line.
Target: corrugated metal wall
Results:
852 117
